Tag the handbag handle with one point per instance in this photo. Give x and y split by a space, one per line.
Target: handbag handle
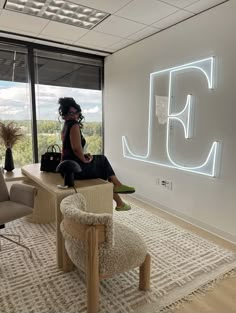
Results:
54 148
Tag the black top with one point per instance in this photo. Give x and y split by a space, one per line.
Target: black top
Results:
98 168
67 151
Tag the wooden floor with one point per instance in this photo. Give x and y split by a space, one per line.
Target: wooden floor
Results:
221 298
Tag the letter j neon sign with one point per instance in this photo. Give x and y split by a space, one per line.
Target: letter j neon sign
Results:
208 166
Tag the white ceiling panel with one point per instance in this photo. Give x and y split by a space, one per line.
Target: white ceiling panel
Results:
41 41
147 31
147 12
121 44
118 26
202 5
63 31
130 21
16 37
99 39
93 47
180 3
62 40
173 19
20 32
109 6
84 45
23 22
60 45
82 49
48 43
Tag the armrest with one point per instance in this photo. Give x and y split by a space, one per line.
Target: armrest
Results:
23 194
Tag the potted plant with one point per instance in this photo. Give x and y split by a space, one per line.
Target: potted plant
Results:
10 134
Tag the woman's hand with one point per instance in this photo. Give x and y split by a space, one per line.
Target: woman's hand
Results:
88 158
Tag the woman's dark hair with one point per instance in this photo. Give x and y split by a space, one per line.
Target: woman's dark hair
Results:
64 106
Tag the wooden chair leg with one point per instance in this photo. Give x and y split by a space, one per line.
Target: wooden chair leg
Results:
144 273
68 265
92 271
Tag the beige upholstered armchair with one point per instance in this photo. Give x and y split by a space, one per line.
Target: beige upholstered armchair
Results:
15 204
100 247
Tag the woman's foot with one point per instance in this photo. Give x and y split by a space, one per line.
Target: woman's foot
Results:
123 189
124 207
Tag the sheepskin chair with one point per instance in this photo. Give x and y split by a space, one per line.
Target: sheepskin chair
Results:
100 247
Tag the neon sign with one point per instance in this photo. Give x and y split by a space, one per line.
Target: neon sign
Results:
183 118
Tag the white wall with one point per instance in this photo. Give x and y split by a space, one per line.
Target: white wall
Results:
205 201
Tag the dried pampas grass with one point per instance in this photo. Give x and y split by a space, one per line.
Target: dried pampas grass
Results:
10 134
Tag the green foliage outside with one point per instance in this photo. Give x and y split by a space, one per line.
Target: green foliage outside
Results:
48 134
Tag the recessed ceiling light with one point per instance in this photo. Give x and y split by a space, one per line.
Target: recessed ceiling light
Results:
59 11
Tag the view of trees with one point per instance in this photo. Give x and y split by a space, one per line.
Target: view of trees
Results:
48 134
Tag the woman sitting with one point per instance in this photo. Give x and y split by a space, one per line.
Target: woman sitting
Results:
93 166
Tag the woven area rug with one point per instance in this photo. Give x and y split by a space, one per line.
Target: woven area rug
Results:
181 264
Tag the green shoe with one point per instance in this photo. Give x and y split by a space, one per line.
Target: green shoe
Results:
124 189
125 207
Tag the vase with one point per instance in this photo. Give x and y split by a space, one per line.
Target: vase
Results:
9 163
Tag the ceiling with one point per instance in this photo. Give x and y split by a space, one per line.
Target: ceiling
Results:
129 21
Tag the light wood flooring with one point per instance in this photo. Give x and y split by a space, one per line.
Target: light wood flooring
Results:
221 298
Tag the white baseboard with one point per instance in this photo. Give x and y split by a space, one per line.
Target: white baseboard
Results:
211 229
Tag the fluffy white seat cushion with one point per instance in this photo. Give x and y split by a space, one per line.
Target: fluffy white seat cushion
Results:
128 252
122 250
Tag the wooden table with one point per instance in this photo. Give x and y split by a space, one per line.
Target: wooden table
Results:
97 192
14 175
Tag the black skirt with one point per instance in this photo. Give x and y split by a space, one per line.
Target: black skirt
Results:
98 168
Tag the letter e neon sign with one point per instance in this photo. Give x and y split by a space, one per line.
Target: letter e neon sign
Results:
208 166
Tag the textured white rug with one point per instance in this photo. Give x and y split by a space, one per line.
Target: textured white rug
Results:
181 263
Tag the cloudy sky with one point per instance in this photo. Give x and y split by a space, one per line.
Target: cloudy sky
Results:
15 100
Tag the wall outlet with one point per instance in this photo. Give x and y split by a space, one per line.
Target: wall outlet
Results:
165 183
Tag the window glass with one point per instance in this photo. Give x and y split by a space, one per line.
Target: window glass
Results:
15 101
56 75
60 75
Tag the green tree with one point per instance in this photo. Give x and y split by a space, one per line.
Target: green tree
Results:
48 134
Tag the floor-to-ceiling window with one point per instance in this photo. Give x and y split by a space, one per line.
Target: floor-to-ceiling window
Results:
32 78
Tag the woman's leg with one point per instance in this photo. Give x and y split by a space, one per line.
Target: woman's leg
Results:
119 187
114 180
101 168
118 200
120 204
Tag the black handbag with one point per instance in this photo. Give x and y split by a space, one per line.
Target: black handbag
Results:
50 159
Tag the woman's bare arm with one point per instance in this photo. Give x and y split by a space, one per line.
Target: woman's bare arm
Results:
75 140
62 140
